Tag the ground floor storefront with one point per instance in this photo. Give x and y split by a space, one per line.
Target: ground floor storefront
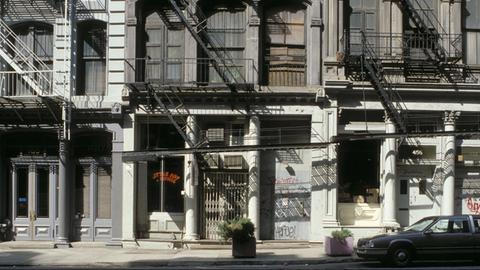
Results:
32 165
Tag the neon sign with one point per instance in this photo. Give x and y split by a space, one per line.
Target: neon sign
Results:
169 177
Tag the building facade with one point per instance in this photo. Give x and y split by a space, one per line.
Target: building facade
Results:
160 119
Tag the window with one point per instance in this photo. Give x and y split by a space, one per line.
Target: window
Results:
99 178
403 187
227 26
92 46
454 225
285 53
363 19
476 224
165 185
422 45
164 51
38 38
422 187
238 134
471 17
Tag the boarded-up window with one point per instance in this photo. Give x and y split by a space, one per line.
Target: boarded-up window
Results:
104 192
285 55
92 47
163 50
226 27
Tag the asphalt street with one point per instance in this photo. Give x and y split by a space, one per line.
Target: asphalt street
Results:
345 266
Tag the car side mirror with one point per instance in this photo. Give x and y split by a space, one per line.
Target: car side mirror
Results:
428 232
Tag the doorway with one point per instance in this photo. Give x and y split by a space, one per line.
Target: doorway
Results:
33 198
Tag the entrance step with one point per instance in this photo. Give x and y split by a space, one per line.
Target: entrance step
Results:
164 235
27 245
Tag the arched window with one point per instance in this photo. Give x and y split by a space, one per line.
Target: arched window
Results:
91 65
285 53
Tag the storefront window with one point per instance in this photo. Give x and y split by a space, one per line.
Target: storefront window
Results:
165 185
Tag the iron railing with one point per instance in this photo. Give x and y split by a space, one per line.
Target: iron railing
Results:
191 71
397 46
13 83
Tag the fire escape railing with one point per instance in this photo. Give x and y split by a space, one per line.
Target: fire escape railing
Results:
428 24
30 68
389 97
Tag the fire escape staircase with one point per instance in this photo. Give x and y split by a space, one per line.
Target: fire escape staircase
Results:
389 97
171 105
24 61
445 60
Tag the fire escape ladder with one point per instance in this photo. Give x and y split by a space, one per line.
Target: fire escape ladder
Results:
172 106
390 99
221 60
24 61
430 28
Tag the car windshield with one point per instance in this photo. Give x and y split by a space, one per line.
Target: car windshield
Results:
420 225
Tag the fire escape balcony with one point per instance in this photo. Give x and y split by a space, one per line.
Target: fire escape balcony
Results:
192 73
414 55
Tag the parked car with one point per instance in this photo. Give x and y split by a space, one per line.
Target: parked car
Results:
446 237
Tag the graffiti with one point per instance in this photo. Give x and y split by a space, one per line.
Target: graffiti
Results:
285 231
473 205
287 180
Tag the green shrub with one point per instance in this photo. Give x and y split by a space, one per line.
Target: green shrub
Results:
342 234
240 229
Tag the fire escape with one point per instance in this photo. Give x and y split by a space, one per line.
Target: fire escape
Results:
425 54
168 98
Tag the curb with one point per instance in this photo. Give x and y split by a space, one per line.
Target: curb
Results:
199 262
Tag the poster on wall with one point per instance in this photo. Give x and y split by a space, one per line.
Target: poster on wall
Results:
468 195
292 201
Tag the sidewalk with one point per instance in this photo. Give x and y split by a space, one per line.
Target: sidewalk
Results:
42 254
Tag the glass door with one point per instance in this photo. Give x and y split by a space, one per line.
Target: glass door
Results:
33 201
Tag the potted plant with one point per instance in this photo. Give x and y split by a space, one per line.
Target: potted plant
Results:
340 243
241 232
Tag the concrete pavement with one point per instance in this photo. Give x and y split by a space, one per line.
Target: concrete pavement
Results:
96 254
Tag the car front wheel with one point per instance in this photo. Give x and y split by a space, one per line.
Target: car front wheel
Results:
401 256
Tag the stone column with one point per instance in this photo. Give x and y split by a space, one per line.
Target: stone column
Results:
63 232
117 149
448 196
389 199
253 159
131 40
334 28
314 33
328 169
319 175
128 187
191 184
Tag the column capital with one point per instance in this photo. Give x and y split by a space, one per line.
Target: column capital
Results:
450 117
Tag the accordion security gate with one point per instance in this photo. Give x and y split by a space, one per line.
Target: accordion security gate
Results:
224 197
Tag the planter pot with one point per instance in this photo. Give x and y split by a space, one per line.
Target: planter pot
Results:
244 249
334 247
